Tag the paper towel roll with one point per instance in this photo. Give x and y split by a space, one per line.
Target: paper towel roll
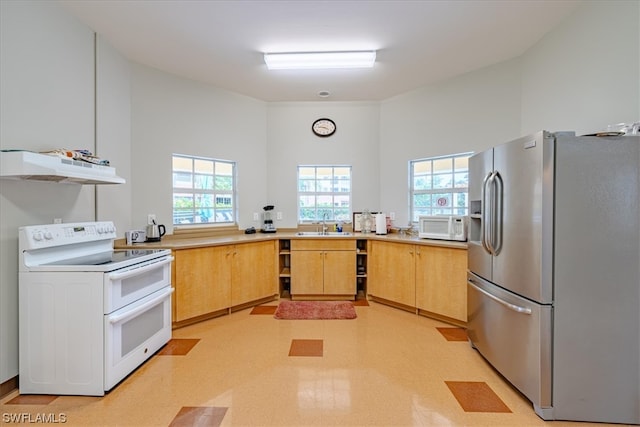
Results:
381 223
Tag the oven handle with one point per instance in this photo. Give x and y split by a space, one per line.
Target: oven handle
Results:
147 305
135 271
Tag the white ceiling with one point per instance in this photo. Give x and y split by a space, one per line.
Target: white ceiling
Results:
418 42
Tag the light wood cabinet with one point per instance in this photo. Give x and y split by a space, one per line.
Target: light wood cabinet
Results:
429 279
255 273
340 272
392 273
441 281
215 278
202 281
323 267
307 272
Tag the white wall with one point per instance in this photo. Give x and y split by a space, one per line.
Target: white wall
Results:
48 86
113 133
46 82
291 143
585 74
468 113
581 76
175 115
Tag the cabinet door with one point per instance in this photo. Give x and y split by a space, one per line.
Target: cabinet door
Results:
441 281
392 272
340 273
307 272
255 273
202 281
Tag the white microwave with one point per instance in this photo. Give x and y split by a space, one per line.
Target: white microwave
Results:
443 227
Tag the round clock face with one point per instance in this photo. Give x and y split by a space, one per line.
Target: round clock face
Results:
324 127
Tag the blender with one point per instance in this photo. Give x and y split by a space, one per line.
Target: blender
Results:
267 221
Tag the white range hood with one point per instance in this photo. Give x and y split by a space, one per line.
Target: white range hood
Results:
28 165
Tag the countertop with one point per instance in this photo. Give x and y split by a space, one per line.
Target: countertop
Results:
177 242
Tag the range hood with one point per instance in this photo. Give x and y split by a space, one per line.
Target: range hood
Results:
27 165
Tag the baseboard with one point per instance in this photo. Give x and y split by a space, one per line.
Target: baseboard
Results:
442 318
392 303
8 386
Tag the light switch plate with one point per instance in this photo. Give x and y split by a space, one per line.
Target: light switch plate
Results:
256 217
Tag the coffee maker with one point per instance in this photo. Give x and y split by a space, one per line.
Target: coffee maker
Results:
267 221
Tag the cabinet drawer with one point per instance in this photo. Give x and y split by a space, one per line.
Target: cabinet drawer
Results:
328 244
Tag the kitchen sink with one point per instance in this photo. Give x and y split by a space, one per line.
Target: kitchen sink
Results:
321 234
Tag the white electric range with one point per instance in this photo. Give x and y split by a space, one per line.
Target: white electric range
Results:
89 315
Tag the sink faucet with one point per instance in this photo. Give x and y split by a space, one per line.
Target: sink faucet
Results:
324 223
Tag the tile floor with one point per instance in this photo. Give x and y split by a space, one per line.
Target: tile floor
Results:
386 368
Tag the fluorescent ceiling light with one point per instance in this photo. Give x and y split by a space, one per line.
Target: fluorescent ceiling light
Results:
319 60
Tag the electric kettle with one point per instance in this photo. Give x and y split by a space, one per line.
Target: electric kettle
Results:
155 232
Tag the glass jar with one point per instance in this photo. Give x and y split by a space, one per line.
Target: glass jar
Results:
367 221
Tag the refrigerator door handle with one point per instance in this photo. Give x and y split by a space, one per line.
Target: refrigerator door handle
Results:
496 244
485 231
513 307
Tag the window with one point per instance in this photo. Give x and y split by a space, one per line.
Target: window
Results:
204 190
324 192
439 186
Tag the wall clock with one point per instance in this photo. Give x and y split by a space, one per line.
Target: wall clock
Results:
323 127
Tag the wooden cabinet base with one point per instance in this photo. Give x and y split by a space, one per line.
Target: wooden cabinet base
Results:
323 297
442 318
192 320
223 312
415 310
391 303
253 303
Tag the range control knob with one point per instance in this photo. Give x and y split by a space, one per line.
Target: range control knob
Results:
48 235
37 236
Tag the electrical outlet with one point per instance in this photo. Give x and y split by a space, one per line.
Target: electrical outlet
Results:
57 220
256 217
392 216
279 216
151 218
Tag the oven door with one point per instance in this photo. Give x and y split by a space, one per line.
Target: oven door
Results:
124 286
134 333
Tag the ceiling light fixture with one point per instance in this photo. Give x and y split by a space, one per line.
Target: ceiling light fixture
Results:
319 60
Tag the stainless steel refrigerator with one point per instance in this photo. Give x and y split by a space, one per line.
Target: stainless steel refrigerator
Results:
554 276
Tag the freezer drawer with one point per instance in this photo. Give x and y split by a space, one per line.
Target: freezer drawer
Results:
514 335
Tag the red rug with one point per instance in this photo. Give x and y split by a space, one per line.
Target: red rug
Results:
319 310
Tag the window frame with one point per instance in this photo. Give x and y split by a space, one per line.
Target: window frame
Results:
451 189
332 217
213 192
